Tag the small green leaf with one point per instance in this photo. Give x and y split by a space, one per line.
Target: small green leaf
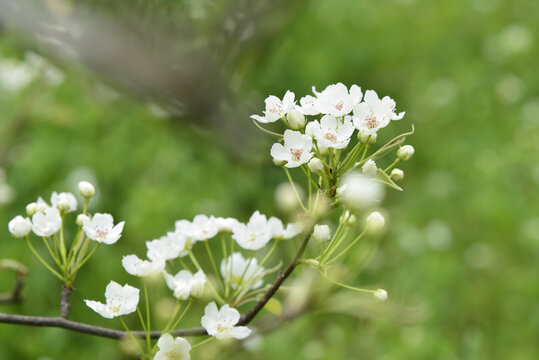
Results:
274 306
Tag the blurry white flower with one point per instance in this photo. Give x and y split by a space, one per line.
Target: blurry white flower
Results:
296 149
31 209
20 226
46 222
52 75
64 201
184 284
86 189
375 222
206 227
225 224
15 75
335 100
190 232
405 152
119 301
172 349
308 105
278 231
285 197
101 228
220 323
295 118
321 233
276 108
167 247
239 271
380 294
316 166
397 175
330 132
138 267
365 138
369 169
359 191
255 234
80 219
373 113
7 194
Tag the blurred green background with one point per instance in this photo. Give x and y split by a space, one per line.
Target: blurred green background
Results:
460 257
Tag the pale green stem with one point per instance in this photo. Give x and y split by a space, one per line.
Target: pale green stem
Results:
347 286
295 190
202 342
197 265
175 325
148 327
42 261
214 266
132 337
346 249
397 160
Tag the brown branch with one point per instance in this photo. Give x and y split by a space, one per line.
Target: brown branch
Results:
64 323
65 305
15 295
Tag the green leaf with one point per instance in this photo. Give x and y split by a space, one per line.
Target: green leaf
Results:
274 306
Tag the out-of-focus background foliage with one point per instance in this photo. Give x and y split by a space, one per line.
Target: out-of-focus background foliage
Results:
460 257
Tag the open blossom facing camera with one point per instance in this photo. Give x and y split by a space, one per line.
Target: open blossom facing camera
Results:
101 228
373 114
46 222
20 226
255 234
240 271
119 301
184 284
220 322
330 132
335 99
276 108
172 349
64 201
138 267
295 151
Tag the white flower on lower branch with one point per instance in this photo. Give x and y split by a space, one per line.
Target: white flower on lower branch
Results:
184 284
239 271
172 349
221 322
295 151
101 228
119 301
138 267
46 222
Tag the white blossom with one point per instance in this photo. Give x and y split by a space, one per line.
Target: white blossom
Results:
359 191
278 231
46 222
167 247
369 169
321 233
86 189
205 226
220 322
316 166
372 114
184 284
101 228
119 301
64 201
331 132
255 234
391 107
295 151
308 105
295 118
276 108
240 272
225 224
172 349
20 226
15 75
138 267
335 100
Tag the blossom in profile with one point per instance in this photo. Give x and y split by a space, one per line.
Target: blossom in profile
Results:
101 228
255 234
240 272
86 189
206 227
225 224
46 222
276 108
20 226
119 301
138 267
330 132
336 100
167 247
184 284
171 348
359 191
373 114
64 201
295 151
279 231
221 322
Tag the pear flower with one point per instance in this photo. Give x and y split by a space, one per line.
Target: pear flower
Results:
101 228
167 247
64 201
206 227
119 301
321 233
276 108
295 151
308 105
20 226
220 322
369 169
138 267
240 272
184 284
225 224
331 132
172 349
335 100
46 222
359 191
373 114
278 231
255 234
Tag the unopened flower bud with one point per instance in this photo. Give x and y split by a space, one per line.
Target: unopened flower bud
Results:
40 207
20 227
279 162
31 209
322 149
316 166
380 294
405 153
63 206
375 223
86 189
80 219
366 138
296 119
321 233
369 168
352 220
397 175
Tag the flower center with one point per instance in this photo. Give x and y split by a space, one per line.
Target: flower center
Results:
339 105
277 109
296 154
101 233
371 122
331 137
